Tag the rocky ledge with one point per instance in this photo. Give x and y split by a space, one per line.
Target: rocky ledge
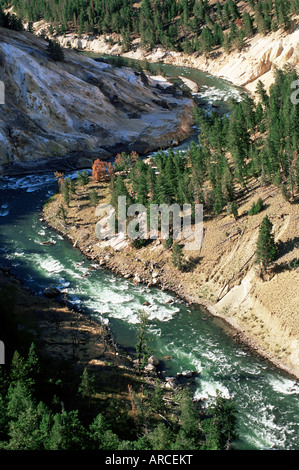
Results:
78 109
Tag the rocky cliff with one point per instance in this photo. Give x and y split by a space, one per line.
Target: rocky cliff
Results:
257 61
80 109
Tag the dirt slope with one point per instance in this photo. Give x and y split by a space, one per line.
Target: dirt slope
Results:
223 276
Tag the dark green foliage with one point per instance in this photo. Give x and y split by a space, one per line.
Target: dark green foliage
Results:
142 343
93 197
55 50
177 256
83 178
157 402
102 437
256 207
86 387
67 432
232 209
65 192
265 248
10 21
72 186
184 25
221 428
61 213
272 156
168 242
189 435
161 438
119 189
231 152
28 423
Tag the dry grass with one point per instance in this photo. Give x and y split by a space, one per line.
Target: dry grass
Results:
223 275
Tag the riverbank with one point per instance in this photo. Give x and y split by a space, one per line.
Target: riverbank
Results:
258 60
223 277
70 341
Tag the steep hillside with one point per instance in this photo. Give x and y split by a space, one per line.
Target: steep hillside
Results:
257 61
263 308
238 40
80 108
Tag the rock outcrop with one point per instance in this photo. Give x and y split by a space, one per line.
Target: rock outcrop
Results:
79 109
257 61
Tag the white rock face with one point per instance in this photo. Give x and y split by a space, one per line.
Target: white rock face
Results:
80 107
258 60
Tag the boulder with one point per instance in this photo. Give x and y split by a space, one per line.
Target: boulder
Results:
51 292
171 382
154 361
150 368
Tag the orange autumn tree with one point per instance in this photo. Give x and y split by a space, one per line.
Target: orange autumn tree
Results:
99 169
59 176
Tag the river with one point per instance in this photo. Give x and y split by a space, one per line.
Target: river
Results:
183 337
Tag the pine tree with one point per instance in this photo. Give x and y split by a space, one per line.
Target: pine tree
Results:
67 432
72 186
248 25
86 387
141 347
101 435
66 193
93 198
55 50
161 438
189 435
265 248
177 256
221 428
83 178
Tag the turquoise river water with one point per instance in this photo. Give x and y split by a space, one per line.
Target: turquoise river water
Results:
266 398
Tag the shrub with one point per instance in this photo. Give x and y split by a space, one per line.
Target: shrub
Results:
55 50
256 207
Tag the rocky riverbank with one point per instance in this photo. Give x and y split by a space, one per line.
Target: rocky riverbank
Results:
74 341
258 60
70 112
262 310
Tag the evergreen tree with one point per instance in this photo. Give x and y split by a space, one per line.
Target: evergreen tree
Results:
93 198
55 50
101 435
189 434
83 178
86 387
265 248
177 256
161 438
72 186
142 347
221 428
67 432
66 193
